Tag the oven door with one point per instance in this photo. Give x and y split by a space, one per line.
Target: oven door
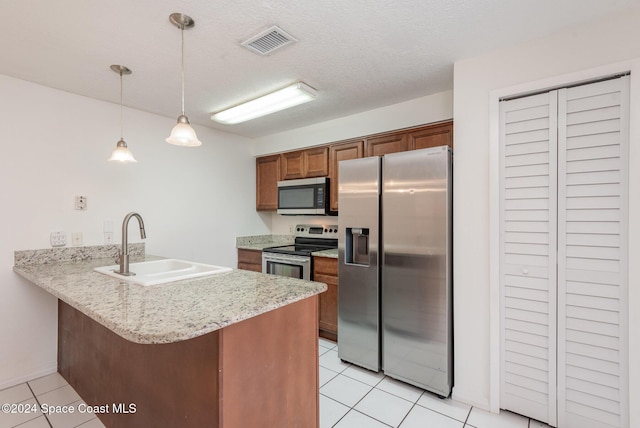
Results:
286 265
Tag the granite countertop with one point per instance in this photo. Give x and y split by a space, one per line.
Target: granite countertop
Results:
260 242
168 312
333 253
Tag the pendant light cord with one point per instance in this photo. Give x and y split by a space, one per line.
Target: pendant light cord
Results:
182 49
121 133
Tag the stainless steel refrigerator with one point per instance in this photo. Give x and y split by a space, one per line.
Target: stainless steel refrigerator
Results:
394 251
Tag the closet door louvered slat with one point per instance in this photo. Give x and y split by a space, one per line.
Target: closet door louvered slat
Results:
592 265
528 255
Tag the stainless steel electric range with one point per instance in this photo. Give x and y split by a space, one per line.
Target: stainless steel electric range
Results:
295 260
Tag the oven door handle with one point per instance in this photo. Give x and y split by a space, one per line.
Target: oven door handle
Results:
286 258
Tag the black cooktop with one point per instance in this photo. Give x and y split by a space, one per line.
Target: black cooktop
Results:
299 249
309 239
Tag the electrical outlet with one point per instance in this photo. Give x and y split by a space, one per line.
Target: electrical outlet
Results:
81 203
107 230
58 239
76 239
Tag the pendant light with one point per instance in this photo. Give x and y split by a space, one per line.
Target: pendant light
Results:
121 153
183 134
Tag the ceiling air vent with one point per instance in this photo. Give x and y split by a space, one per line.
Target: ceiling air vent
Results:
269 40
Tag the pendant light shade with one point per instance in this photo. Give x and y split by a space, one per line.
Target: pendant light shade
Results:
121 153
183 134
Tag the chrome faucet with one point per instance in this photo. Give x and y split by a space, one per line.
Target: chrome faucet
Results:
124 251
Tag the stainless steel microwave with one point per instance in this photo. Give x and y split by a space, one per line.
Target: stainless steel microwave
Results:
307 196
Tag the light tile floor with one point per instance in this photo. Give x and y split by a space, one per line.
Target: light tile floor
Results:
45 393
350 397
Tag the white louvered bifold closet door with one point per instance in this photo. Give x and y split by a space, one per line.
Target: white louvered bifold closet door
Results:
528 255
593 128
563 249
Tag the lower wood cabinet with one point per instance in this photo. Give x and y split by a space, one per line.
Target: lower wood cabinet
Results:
260 372
250 260
325 270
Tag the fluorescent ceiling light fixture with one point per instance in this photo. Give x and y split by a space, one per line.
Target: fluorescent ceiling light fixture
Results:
293 95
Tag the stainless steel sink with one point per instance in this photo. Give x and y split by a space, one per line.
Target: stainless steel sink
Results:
162 271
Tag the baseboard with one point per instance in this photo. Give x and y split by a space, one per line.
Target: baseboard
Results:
50 368
456 395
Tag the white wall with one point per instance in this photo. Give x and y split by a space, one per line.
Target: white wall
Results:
580 48
194 201
419 111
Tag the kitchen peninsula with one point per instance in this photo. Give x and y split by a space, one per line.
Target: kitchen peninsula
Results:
229 350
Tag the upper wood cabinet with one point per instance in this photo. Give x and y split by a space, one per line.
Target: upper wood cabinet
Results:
267 177
317 162
337 153
305 163
390 143
323 161
432 136
292 165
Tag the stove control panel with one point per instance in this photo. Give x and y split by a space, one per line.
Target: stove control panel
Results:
325 231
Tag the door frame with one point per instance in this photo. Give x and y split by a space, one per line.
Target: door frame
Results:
632 351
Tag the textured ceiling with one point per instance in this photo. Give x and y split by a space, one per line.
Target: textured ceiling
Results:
358 54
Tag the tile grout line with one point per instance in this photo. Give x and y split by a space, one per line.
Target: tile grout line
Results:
76 401
337 374
373 386
464 424
412 407
369 416
350 408
353 407
414 404
39 404
444 414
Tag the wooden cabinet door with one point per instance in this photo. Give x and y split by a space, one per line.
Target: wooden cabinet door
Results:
325 270
293 165
267 177
385 144
250 260
337 153
305 163
316 162
432 136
